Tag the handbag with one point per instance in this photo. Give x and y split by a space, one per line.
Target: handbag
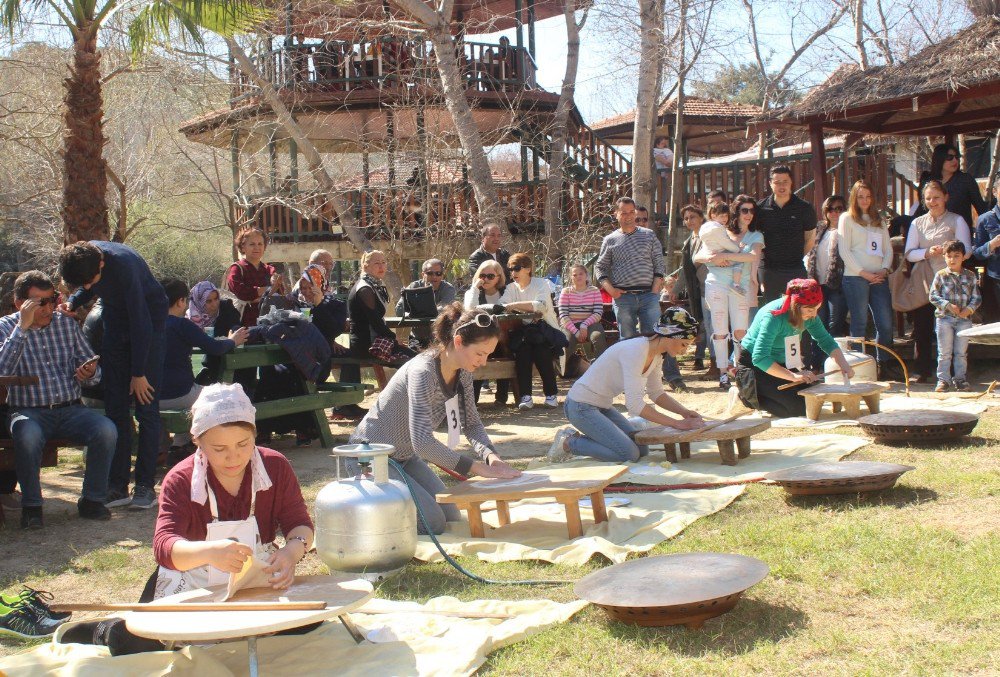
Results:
419 302
910 285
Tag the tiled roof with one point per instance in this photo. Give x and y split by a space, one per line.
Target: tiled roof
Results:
694 107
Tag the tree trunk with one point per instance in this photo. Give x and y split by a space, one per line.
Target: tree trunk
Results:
647 99
480 175
305 145
560 132
677 171
859 35
994 165
85 207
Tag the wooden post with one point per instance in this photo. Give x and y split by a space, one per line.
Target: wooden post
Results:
390 131
531 28
818 161
234 159
519 38
272 156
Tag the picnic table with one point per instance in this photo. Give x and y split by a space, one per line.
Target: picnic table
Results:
566 485
317 397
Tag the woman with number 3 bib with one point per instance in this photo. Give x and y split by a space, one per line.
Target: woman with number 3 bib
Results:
433 388
772 348
863 242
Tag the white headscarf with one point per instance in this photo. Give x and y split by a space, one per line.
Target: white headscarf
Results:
216 405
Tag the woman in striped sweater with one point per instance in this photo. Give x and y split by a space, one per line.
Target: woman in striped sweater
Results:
580 310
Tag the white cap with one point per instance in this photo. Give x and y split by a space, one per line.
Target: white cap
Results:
221 403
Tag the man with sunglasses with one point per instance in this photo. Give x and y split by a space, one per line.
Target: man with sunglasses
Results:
35 341
444 293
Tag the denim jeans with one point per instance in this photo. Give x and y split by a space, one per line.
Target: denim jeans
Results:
863 296
952 348
607 425
833 314
182 402
116 367
642 309
32 427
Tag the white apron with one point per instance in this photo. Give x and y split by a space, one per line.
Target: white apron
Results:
171 581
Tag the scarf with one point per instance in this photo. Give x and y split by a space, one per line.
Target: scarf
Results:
677 323
196 306
259 479
803 291
315 274
378 286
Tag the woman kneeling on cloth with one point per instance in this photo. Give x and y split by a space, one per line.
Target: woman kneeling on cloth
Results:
218 507
633 367
434 387
773 347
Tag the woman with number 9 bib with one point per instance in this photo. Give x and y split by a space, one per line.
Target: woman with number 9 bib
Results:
772 348
433 388
863 242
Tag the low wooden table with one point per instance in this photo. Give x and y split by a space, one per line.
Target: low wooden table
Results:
341 596
735 434
843 397
566 485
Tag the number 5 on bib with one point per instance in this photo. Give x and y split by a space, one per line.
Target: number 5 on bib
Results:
793 352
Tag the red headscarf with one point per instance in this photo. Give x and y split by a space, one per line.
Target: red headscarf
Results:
803 291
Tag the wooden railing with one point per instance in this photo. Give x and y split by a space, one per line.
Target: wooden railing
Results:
335 65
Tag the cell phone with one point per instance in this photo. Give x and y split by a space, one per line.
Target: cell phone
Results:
92 360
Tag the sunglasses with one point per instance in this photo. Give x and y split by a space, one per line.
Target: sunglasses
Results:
642 220
747 210
487 276
434 273
516 269
49 301
837 209
952 156
481 320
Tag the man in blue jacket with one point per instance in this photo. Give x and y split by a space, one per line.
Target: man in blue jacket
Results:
135 315
986 242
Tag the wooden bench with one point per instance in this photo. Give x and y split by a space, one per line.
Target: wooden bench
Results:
378 366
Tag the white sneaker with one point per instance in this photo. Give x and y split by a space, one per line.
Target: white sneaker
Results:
526 402
552 401
557 453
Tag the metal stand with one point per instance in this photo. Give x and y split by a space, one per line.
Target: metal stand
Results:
252 654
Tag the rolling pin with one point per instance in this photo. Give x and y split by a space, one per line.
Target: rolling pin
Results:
194 606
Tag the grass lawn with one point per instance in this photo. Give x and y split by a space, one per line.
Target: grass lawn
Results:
902 581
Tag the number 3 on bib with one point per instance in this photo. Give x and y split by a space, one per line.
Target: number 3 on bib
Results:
793 352
453 420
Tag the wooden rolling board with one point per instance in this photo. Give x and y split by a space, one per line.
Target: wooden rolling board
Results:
860 389
744 427
563 482
341 595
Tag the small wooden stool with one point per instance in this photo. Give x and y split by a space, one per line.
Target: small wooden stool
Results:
566 485
843 397
735 434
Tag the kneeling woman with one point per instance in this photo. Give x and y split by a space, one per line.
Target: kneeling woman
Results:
772 348
633 367
228 489
432 387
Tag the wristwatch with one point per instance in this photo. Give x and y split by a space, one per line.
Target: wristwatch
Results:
305 544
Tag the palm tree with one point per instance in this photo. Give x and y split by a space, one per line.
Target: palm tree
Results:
85 209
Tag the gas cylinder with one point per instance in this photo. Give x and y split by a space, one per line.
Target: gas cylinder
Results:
366 524
863 364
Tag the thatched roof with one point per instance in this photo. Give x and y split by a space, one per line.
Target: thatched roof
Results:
967 62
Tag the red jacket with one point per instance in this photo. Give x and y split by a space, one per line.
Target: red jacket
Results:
242 280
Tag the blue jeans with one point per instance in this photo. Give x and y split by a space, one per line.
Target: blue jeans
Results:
607 425
426 485
32 427
116 368
861 296
833 314
952 348
631 309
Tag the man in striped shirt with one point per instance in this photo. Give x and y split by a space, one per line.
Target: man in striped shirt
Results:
37 342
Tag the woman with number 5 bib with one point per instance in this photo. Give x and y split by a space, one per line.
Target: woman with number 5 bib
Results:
434 388
772 348
863 243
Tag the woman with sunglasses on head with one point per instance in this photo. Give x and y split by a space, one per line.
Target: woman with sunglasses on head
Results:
432 388
962 189
487 288
532 344
633 367
823 263
727 271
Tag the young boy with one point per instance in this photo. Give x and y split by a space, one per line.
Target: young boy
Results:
134 314
715 237
955 294
179 391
